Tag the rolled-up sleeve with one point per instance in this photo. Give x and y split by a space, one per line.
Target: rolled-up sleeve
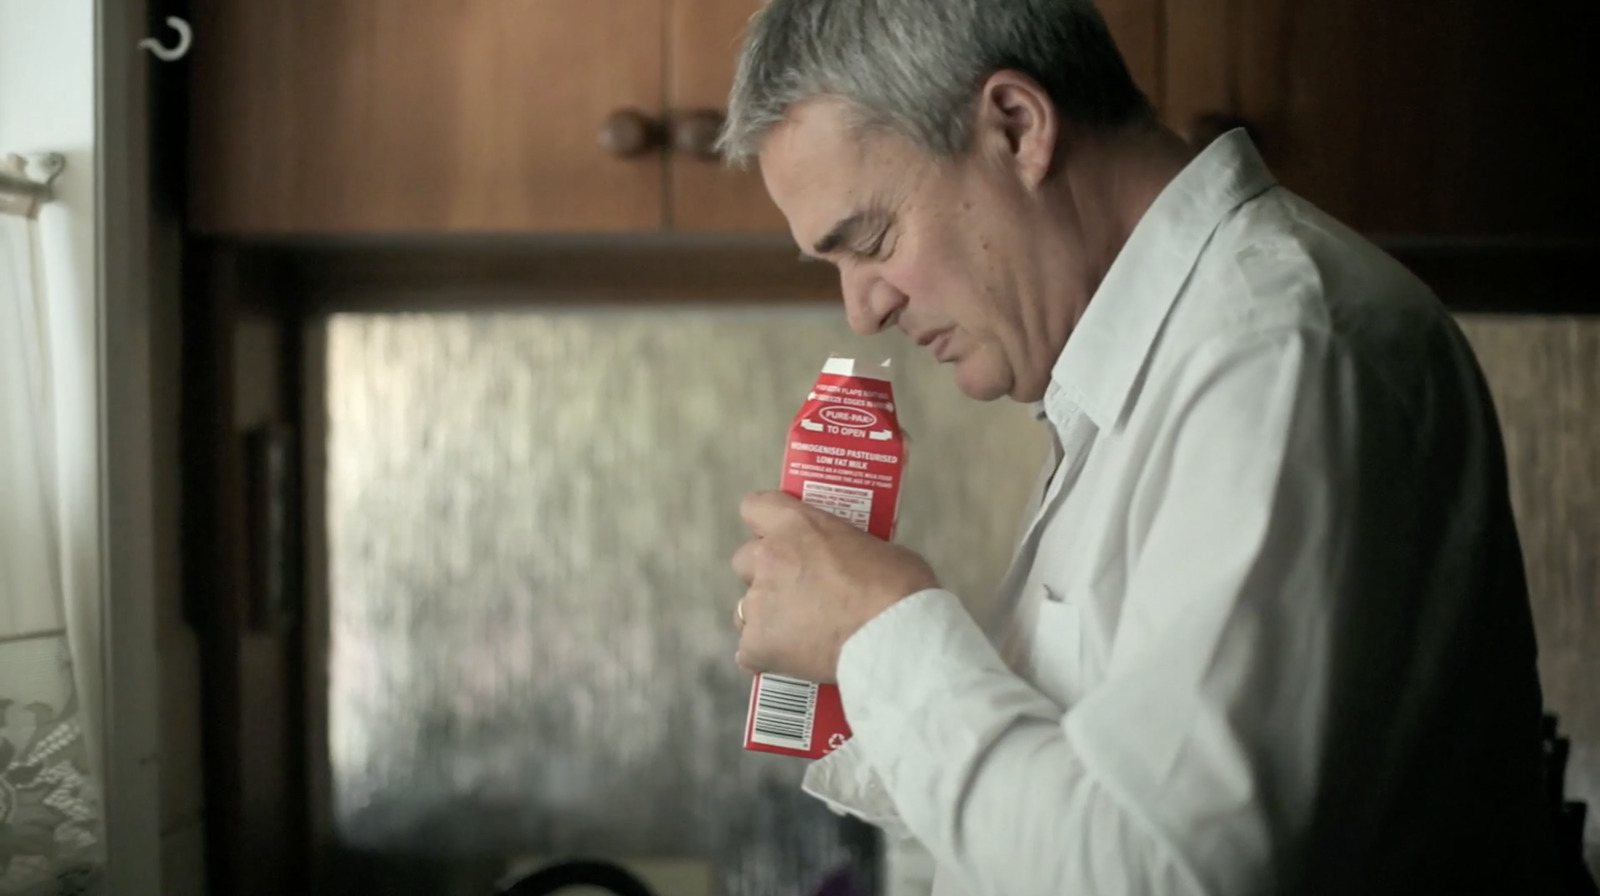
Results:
1190 768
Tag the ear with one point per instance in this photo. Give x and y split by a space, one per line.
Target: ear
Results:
1016 117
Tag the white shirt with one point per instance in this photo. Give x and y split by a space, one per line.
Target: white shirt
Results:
1266 631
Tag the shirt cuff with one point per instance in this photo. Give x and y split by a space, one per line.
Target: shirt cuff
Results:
846 783
845 780
905 677
879 658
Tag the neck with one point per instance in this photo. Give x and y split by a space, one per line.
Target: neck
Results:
1105 185
1112 181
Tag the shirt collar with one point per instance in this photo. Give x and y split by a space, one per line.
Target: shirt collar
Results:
1097 370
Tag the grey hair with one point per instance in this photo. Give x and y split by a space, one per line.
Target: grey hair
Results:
914 66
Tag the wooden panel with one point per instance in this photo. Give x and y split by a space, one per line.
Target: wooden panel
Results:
271 778
1195 71
454 275
400 115
422 278
183 861
316 609
703 44
239 365
1467 117
1137 26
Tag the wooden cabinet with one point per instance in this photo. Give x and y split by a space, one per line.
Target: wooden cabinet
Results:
350 117
703 38
398 115
1456 118
388 116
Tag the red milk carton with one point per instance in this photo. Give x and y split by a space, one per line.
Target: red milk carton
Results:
845 454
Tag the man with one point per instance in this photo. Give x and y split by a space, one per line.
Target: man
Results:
1267 629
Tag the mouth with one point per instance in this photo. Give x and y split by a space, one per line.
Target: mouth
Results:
939 340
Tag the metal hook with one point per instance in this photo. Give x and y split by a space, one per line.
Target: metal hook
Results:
184 37
41 168
25 181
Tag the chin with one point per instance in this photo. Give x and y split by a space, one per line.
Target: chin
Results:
977 381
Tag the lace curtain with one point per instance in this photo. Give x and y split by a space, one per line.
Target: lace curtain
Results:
50 839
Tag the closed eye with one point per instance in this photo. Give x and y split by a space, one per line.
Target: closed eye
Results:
850 234
874 247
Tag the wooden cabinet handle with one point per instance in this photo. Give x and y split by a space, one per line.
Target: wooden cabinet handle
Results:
629 133
1208 126
695 133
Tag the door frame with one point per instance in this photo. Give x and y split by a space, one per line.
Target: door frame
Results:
127 526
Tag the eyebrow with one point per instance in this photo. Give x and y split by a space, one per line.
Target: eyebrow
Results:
850 229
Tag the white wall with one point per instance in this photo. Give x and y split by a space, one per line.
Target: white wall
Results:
92 239
47 104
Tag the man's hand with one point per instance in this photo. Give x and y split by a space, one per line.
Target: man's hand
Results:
813 580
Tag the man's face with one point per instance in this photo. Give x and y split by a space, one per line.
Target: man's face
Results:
945 249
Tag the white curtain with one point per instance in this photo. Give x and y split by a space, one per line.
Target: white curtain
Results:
50 832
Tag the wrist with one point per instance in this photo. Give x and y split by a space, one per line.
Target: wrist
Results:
881 632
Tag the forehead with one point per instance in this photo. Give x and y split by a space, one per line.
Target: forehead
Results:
818 169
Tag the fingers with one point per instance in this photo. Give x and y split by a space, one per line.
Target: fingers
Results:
743 656
745 561
742 662
749 656
767 514
764 512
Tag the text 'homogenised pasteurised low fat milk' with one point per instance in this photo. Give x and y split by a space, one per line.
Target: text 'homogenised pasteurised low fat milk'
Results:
845 454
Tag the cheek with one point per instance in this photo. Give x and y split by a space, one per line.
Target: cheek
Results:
946 286
932 277
913 279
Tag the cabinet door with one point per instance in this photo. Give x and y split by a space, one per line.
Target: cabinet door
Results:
385 116
1448 118
703 45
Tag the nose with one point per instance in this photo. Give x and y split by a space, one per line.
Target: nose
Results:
870 303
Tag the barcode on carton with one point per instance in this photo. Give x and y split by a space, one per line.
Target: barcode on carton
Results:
786 709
